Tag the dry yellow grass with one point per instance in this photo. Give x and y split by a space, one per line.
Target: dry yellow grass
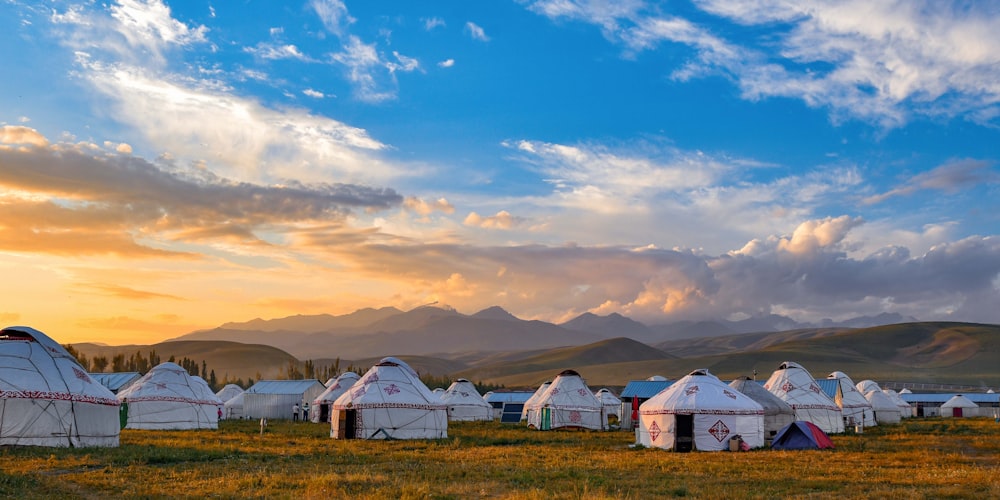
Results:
932 458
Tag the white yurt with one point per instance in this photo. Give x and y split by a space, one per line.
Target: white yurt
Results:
777 413
866 386
854 408
959 406
700 412
794 385
534 397
389 402
905 410
47 398
233 409
612 406
323 403
567 402
885 409
168 398
464 402
228 392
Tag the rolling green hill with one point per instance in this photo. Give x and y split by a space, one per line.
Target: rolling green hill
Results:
948 353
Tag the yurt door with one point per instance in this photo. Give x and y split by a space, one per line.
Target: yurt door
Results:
324 412
956 412
684 425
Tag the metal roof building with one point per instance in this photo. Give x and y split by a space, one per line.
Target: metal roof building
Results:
929 404
116 381
275 398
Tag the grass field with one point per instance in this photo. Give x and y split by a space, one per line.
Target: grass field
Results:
920 458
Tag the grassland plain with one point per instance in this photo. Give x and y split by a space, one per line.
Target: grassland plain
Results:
920 458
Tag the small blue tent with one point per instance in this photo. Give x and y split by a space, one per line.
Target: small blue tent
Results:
801 435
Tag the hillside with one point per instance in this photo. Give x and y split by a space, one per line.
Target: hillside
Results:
950 353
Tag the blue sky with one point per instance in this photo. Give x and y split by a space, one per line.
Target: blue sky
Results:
166 166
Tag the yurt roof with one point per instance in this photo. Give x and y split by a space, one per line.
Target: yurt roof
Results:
283 386
959 401
773 405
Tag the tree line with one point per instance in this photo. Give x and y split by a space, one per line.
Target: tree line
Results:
143 362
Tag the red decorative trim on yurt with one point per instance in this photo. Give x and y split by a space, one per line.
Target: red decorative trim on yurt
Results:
58 396
174 399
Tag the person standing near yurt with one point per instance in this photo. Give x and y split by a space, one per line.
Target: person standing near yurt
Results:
47 398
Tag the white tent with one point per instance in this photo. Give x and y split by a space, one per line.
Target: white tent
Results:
794 385
534 397
612 406
465 403
905 410
700 412
168 398
867 385
567 402
854 408
777 413
233 409
389 402
959 406
228 392
47 398
320 411
885 409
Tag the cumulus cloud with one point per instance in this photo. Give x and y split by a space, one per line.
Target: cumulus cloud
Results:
447 63
423 207
502 220
807 274
17 135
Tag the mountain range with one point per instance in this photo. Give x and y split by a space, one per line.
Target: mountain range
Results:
443 331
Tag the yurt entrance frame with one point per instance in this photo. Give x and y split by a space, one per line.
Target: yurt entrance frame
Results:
348 424
684 425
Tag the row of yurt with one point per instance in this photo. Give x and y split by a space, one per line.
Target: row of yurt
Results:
700 412
884 409
47 398
167 397
334 388
389 402
566 403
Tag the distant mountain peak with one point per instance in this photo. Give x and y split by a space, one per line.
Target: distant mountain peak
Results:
495 312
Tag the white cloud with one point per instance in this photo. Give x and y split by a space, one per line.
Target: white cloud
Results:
447 63
270 51
314 93
879 62
148 24
502 220
950 177
333 14
433 22
476 32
